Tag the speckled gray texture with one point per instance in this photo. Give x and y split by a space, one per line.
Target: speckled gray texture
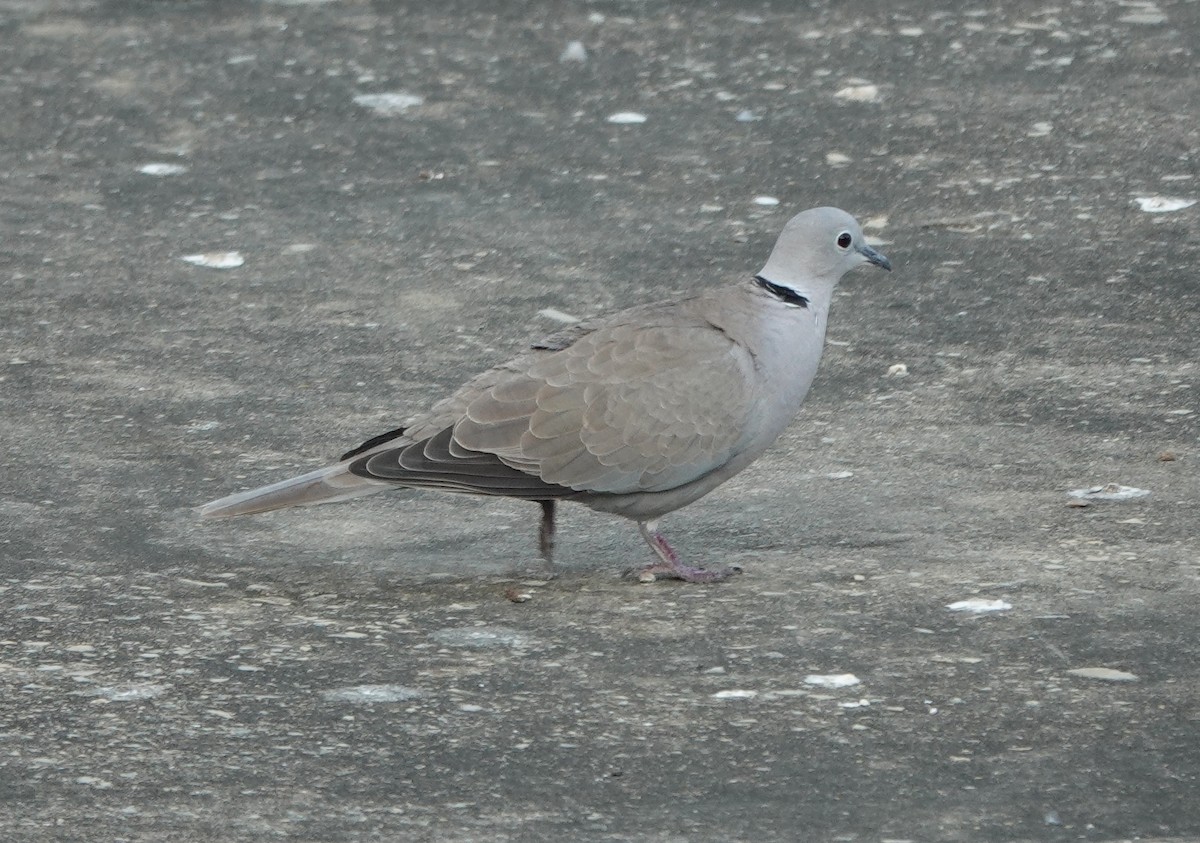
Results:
361 672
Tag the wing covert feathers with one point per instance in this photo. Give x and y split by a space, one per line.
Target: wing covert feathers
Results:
624 408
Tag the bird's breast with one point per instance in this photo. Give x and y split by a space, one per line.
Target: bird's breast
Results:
789 352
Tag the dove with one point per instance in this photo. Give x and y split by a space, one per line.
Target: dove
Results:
636 414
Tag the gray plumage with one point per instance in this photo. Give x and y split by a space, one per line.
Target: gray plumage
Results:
638 413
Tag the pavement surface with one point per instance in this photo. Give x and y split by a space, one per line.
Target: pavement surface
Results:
360 672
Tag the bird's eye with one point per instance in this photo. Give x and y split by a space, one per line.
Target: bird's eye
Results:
844 240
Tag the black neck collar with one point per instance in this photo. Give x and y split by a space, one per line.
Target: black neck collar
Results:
785 294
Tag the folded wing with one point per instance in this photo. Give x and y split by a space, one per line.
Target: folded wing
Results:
633 406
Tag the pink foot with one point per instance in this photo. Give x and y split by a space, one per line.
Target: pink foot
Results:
670 567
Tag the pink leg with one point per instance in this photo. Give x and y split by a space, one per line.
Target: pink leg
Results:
669 565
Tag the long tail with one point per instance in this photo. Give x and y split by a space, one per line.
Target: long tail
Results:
325 485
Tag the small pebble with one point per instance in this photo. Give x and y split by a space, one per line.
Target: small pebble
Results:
160 169
393 102
1106 674
979 606
832 680
627 118
558 315
1109 492
859 93
1163 204
216 260
574 52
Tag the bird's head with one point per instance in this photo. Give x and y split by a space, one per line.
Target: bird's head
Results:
816 248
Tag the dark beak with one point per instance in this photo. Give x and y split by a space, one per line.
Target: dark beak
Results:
877 258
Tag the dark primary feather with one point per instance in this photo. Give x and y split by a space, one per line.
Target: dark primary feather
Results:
438 462
373 442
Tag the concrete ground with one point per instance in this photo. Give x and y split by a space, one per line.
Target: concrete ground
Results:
359 672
